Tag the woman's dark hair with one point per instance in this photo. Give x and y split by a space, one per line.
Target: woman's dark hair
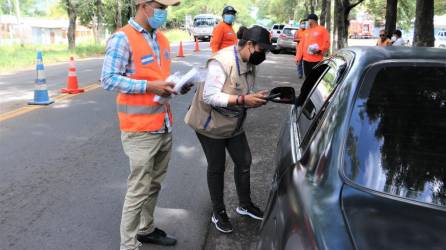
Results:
240 32
398 33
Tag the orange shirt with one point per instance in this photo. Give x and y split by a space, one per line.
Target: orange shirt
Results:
317 35
384 43
223 36
299 35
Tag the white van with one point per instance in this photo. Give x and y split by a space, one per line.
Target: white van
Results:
440 39
203 25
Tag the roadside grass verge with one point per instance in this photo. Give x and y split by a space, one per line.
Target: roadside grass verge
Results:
177 35
15 57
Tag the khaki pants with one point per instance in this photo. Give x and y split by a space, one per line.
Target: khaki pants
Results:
149 156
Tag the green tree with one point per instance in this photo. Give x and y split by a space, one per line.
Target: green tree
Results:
440 7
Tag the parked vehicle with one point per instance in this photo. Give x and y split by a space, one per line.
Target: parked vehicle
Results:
361 165
360 29
203 26
286 42
276 30
440 39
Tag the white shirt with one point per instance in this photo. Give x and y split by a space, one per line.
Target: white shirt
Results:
213 85
399 42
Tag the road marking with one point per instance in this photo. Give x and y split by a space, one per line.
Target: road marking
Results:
27 109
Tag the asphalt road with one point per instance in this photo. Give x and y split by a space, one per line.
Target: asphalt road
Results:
17 87
63 172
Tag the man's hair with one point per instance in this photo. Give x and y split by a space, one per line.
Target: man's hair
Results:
398 33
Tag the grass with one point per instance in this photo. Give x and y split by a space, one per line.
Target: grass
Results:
14 57
177 35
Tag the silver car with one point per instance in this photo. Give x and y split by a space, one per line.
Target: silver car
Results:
286 42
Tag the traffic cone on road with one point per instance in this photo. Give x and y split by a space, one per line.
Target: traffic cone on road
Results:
72 85
197 48
180 50
40 88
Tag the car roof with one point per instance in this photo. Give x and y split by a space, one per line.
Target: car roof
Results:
373 54
291 27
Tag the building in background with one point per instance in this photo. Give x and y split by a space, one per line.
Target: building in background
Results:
38 31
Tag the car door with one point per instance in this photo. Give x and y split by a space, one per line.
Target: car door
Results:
285 226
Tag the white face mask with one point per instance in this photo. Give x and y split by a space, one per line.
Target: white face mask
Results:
393 38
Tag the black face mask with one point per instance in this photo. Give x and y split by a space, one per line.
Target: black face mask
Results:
257 57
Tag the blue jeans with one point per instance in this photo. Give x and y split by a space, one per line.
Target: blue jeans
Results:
300 69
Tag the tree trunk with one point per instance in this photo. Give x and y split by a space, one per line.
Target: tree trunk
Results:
324 12
307 11
424 24
100 25
391 15
312 6
72 16
328 17
341 40
119 15
342 11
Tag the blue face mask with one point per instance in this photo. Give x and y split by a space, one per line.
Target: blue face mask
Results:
229 19
158 19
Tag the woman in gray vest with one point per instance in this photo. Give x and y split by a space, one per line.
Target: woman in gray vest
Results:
218 112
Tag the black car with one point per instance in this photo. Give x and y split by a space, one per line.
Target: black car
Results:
361 164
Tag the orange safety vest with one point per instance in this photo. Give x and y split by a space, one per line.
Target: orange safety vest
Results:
223 36
139 112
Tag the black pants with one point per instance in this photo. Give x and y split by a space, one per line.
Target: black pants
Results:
215 151
307 67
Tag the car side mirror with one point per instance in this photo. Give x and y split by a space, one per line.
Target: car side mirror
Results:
285 95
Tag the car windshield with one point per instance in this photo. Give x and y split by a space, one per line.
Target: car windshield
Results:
278 27
397 137
204 22
289 32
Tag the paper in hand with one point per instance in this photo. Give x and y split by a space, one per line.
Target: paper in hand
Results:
192 76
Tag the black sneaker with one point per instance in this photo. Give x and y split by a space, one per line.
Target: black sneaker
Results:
158 237
222 222
251 211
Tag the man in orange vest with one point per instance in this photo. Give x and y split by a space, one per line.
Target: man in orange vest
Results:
298 36
136 64
223 34
313 46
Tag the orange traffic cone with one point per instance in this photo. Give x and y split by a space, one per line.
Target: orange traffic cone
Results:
180 50
72 86
197 48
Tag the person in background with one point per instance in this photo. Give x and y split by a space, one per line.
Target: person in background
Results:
314 44
383 40
223 34
217 115
136 65
397 39
298 36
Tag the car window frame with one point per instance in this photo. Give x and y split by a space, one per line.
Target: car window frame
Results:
368 77
343 69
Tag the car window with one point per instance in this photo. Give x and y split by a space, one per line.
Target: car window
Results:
314 103
275 27
289 32
396 141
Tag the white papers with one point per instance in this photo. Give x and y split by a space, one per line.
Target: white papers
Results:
313 48
192 76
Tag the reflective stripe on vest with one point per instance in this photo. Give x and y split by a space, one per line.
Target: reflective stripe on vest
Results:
139 112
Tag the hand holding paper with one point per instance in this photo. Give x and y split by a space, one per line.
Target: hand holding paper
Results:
183 83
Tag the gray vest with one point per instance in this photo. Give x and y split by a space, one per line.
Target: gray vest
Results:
219 122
